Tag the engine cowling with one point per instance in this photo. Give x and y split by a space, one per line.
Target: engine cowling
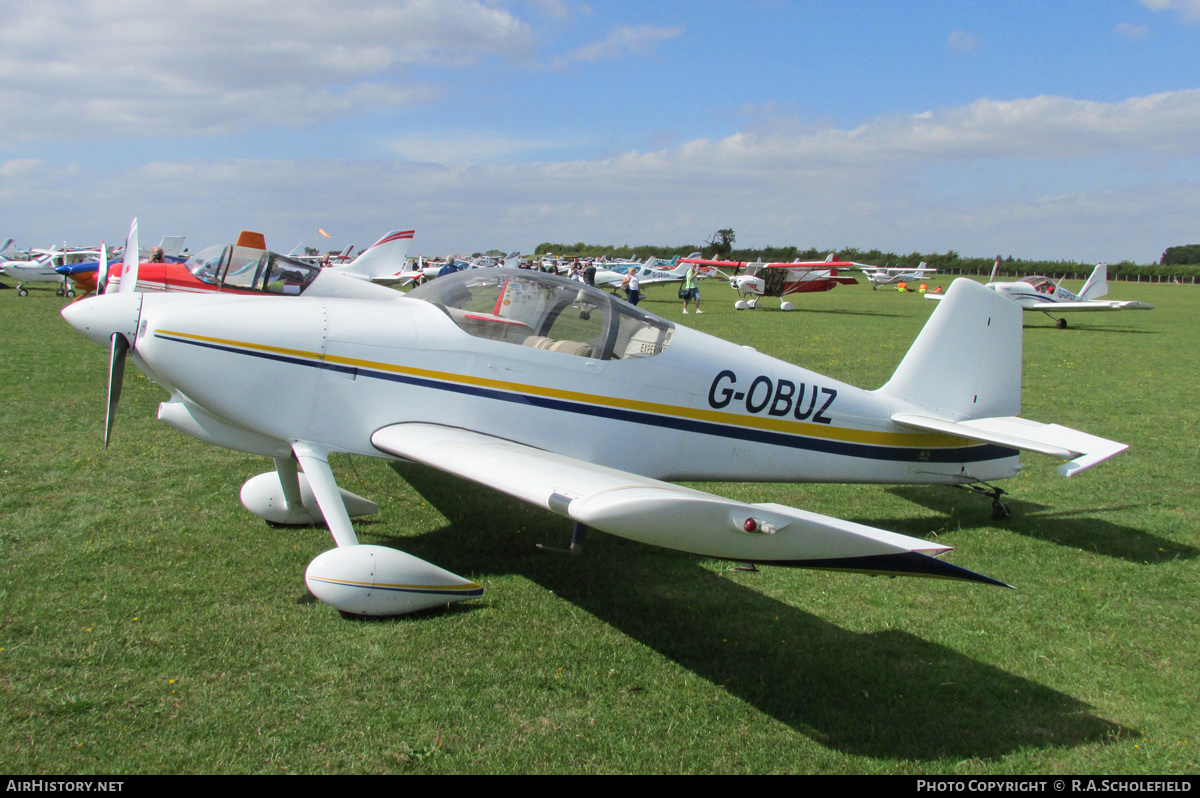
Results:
377 580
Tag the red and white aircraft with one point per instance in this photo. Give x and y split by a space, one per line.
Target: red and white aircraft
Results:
781 279
248 267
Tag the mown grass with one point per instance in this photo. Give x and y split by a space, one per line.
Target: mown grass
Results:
148 624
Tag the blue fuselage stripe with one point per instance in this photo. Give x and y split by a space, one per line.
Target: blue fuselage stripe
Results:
964 454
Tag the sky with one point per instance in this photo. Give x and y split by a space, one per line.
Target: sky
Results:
1062 130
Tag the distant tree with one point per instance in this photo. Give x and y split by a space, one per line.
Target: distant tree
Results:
721 243
1178 256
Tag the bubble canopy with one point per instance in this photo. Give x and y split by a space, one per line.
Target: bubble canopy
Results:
545 312
252 269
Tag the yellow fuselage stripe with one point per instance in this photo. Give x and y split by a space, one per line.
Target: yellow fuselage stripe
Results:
923 440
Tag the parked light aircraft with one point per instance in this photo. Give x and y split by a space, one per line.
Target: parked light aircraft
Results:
1043 294
423 270
652 272
42 267
781 279
569 398
329 259
248 267
85 274
890 275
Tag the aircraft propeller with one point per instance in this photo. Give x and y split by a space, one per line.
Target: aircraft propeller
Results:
119 343
116 377
102 269
130 271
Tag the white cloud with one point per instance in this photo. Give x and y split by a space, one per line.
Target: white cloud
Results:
779 184
463 147
139 66
960 41
1188 9
636 40
1131 32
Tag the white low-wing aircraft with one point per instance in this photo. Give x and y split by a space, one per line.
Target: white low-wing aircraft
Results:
569 398
652 272
1043 294
890 275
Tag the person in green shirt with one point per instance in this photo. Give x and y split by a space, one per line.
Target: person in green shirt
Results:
691 290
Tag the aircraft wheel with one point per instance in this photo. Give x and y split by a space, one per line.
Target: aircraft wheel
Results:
60 292
1000 511
1062 324
22 292
70 293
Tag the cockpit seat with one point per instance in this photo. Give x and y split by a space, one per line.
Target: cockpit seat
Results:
578 348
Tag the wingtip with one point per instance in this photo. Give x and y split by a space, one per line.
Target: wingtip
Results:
902 564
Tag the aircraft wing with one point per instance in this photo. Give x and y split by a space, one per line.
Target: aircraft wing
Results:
663 514
725 263
1090 305
1081 449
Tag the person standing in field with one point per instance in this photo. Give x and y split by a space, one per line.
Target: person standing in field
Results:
691 289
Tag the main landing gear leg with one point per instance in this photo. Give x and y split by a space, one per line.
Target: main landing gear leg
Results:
1059 323
577 536
1000 510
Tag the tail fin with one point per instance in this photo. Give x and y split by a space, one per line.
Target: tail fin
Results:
172 246
962 377
1097 284
966 363
383 258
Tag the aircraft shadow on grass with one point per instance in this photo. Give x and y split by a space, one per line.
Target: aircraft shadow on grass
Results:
881 694
1084 327
1078 529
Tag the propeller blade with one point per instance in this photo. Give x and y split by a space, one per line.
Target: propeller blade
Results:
102 269
116 376
130 272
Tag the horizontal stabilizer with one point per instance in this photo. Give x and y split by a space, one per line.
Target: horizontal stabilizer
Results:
1091 305
1083 450
660 513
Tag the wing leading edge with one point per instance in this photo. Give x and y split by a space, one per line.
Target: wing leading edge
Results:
663 514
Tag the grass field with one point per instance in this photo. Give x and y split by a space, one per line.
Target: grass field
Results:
149 624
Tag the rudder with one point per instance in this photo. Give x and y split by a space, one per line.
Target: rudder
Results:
966 362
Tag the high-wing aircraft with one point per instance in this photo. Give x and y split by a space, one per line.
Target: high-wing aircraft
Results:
44 266
569 398
1043 294
248 267
780 279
